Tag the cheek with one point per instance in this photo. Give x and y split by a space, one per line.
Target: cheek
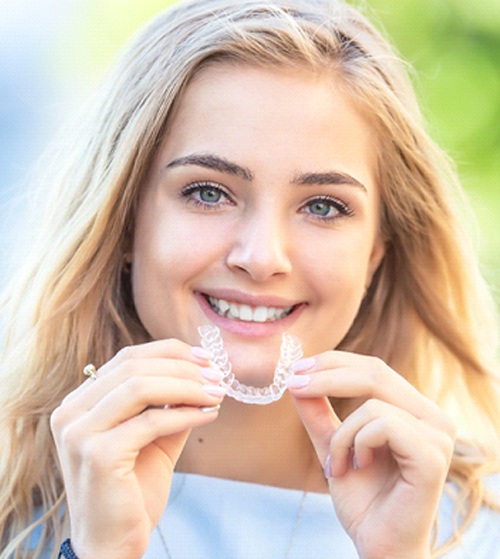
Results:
164 272
170 252
340 289
165 239
159 266
337 264
337 278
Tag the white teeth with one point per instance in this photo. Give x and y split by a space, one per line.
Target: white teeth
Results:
271 314
260 314
246 312
233 311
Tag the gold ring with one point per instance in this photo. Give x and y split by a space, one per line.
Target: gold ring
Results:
90 371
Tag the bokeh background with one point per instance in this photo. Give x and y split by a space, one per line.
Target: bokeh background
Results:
53 52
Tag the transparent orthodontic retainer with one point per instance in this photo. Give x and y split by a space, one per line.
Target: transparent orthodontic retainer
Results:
290 351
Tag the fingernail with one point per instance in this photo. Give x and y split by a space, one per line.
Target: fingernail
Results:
211 374
303 364
210 409
300 381
327 470
201 353
216 391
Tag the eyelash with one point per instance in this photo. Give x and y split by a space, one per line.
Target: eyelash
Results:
341 207
193 192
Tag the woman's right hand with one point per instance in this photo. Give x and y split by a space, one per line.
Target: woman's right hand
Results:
119 438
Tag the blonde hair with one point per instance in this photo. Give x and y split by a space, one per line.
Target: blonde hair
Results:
71 305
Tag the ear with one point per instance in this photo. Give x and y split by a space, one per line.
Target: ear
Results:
376 257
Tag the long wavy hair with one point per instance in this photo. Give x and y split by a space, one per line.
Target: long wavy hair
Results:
427 313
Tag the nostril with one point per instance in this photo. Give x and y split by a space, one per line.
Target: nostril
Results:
261 258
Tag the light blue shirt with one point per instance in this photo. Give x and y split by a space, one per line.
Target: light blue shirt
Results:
210 518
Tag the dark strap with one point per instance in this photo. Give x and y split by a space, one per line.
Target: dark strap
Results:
66 551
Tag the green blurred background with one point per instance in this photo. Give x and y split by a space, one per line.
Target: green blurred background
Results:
453 45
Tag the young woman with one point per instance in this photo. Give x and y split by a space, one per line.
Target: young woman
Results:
260 167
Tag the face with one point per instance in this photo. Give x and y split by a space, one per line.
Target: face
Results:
259 215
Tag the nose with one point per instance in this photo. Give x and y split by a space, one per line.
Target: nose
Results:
261 247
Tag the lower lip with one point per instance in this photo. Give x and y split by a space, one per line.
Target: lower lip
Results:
249 329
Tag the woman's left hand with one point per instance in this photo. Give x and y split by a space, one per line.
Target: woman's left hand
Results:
387 461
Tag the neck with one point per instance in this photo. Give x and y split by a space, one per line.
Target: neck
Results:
257 444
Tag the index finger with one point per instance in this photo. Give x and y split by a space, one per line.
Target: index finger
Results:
171 348
347 375
160 349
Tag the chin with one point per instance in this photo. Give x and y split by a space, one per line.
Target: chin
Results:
253 371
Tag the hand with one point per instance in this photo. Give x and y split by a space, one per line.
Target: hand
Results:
118 443
387 461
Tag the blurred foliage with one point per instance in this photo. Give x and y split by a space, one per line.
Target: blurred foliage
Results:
453 45
100 29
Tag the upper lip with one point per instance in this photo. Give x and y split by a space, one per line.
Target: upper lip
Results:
241 298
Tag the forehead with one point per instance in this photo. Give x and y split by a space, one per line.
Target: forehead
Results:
252 114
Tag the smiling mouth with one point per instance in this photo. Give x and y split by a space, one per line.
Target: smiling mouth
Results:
247 313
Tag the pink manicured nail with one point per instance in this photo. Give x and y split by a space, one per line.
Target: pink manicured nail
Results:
216 391
210 409
303 365
201 353
299 381
213 375
327 470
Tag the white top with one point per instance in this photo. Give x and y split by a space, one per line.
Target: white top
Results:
210 518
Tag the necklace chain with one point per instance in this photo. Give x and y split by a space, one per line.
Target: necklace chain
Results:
163 541
295 524
289 548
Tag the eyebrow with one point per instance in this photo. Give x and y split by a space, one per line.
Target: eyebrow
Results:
213 162
326 179
217 163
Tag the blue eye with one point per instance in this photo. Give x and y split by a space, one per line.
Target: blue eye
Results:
320 208
205 195
209 194
327 208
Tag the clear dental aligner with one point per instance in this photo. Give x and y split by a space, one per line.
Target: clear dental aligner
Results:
290 351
